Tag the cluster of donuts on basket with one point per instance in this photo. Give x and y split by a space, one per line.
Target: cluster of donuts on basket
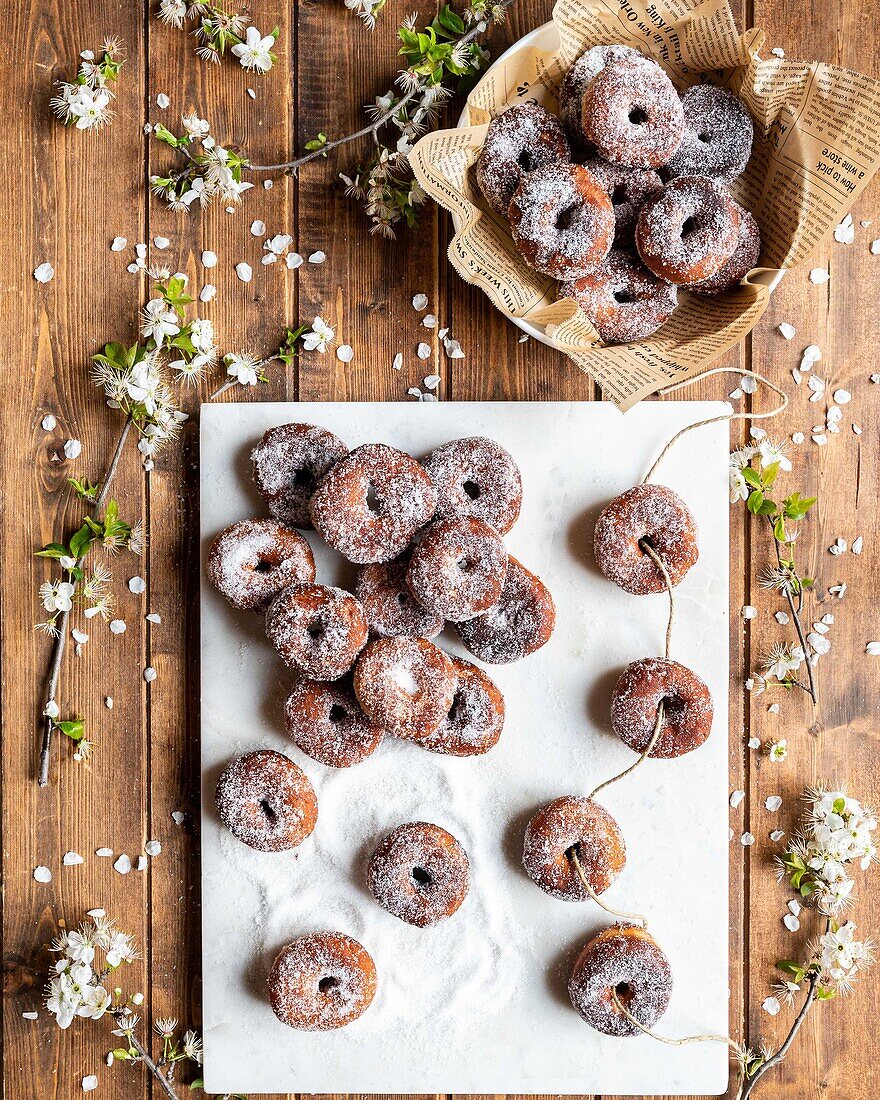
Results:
427 538
623 199
645 541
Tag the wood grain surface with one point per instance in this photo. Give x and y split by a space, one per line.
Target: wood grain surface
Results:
68 196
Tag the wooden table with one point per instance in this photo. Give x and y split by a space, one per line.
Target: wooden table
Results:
68 195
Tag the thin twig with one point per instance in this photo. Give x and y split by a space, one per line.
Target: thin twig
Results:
61 638
144 1056
796 616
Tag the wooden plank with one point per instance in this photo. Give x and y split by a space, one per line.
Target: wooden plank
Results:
68 190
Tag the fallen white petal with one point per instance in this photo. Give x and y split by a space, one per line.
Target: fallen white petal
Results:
104 852
252 94
875 247
423 351
244 272
842 397
153 847
429 321
818 643
787 330
30 1015
293 260
209 259
397 361
79 637
142 863
777 835
162 101
317 257
771 1006
178 817
791 922
48 423
72 448
118 243
749 612
778 51
420 302
150 674
431 381
735 798
208 293
71 859
258 228
345 353
137 585
153 617
42 874
90 1083
44 273
819 275
773 802
782 618
746 840
794 906
798 437
117 626
873 649
161 243
122 865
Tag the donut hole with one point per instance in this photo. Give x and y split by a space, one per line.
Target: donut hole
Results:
459 711
466 564
637 116
623 296
618 195
268 810
527 160
303 477
565 218
403 599
690 226
316 630
263 566
673 707
624 993
705 138
471 489
372 500
421 878
327 984
337 713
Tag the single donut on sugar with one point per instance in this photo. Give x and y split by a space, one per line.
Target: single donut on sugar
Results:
631 114
458 568
562 220
627 961
570 825
744 258
419 873
327 723
288 463
405 685
252 561
519 140
687 707
317 630
646 513
519 624
623 299
266 801
571 94
717 137
391 609
372 502
321 982
476 477
689 232
475 719
629 189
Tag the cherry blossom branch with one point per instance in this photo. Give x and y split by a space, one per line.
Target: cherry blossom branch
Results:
61 638
796 616
144 1056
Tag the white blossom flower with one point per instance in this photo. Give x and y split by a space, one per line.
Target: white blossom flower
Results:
320 337
62 1000
165 1026
782 660
173 12
256 51
57 597
201 332
739 489
95 1002
90 107
243 367
773 452
196 127
778 750
120 948
80 946
158 321
192 1047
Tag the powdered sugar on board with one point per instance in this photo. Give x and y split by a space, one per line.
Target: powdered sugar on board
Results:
510 946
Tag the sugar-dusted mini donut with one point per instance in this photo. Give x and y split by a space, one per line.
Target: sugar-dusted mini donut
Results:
405 685
744 258
458 568
419 872
626 960
520 623
568 826
651 514
266 801
327 723
252 561
317 629
476 477
519 140
687 707
288 463
322 981
562 220
571 94
372 502
631 114
391 609
629 189
622 298
717 137
689 232
475 719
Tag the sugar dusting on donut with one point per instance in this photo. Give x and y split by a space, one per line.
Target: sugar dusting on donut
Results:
458 568
623 299
317 629
321 982
521 139
520 623
717 137
405 684
391 609
475 719
744 258
475 476
570 824
327 723
420 873
266 801
687 702
628 961
288 462
252 560
576 80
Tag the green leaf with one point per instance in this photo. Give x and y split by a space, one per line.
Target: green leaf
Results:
796 506
767 508
768 477
53 550
825 993
84 489
779 529
121 1054
163 134
81 541
794 969
751 477
450 21
754 502
75 729
839 805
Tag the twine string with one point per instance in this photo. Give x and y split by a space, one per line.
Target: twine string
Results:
709 1037
742 373
634 918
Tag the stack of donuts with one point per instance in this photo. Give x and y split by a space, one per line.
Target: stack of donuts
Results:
427 538
623 199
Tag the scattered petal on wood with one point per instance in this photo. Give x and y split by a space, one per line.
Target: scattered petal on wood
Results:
317 257
44 273
746 840
209 259
736 798
244 271
773 802
150 674
137 585
122 865
819 275
787 330
42 874
118 243
345 353
420 302
71 859
104 853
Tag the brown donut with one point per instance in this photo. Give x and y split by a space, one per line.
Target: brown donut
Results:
578 824
327 723
419 873
688 233
623 299
627 960
475 719
317 630
288 463
321 982
252 561
520 623
266 801
717 137
744 258
562 221
660 517
405 685
519 140
372 502
476 477
629 189
571 94
687 707
632 115
391 609
457 570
